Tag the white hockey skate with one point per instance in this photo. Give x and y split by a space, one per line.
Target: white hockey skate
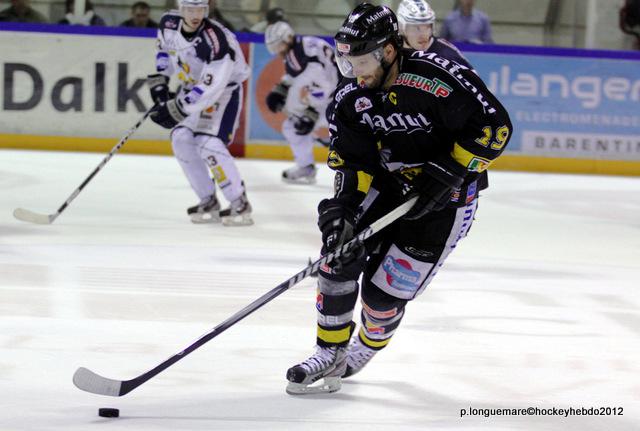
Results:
238 213
300 175
327 363
358 355
207 211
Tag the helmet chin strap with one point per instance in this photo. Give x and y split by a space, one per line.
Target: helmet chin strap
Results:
386 67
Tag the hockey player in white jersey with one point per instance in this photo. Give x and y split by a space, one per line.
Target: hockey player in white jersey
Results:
416 19
303 93
204 114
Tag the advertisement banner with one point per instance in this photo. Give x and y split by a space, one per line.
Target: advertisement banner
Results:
264 132
569 107
81 92
75 85
63 88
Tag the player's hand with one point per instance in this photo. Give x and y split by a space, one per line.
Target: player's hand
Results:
337 226
434 187
305 124
168 114
158 87
277 98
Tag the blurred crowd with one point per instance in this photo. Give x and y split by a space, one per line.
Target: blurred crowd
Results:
465 23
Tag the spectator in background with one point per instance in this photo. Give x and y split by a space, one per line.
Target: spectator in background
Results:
214 13
21 11
630 20
466 24
140 16
272 16
89 17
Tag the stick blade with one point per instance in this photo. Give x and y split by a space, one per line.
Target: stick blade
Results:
89 381
31 217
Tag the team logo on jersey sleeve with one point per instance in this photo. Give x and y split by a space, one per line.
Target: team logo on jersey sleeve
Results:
334 160
363 103
478 164
433 86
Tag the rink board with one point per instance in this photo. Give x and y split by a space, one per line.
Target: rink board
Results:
65 89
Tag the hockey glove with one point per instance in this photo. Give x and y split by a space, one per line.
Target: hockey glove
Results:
306 122
158 87
337 226
277 98
168 114
434 188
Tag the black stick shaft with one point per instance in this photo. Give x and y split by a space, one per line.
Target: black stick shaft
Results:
129 385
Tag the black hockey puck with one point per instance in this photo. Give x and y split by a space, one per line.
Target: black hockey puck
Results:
109 413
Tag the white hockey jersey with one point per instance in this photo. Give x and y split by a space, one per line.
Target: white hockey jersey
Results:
311 75
209 64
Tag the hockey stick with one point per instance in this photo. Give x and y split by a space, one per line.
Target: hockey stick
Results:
89 381
34 217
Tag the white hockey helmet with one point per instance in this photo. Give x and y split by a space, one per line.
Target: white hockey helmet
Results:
277 33
414 12
194 3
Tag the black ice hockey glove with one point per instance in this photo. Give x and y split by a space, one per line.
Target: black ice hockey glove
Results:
277 98
158 87
168 114
306 122
434 187
337 226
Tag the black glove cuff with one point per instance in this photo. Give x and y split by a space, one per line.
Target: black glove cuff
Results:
330 210
175 110
156 80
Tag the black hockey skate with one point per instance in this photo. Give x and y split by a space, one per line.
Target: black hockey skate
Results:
238 213
327 363
207 211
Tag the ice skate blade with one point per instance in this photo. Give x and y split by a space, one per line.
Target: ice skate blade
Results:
302 180
205 218
237 220
327 386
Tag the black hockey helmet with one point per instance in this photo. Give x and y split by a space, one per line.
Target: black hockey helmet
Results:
367 29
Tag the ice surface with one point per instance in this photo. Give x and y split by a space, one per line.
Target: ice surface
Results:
539 306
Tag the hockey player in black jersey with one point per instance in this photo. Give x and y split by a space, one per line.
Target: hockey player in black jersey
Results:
402 123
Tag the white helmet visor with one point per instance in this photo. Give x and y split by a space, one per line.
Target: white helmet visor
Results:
362 65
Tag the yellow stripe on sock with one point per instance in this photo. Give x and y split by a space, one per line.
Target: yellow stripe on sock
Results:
372 343
334 336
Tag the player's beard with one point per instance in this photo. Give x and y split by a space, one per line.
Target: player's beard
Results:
373 80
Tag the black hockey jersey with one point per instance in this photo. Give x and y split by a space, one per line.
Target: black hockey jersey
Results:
446 49
437 110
